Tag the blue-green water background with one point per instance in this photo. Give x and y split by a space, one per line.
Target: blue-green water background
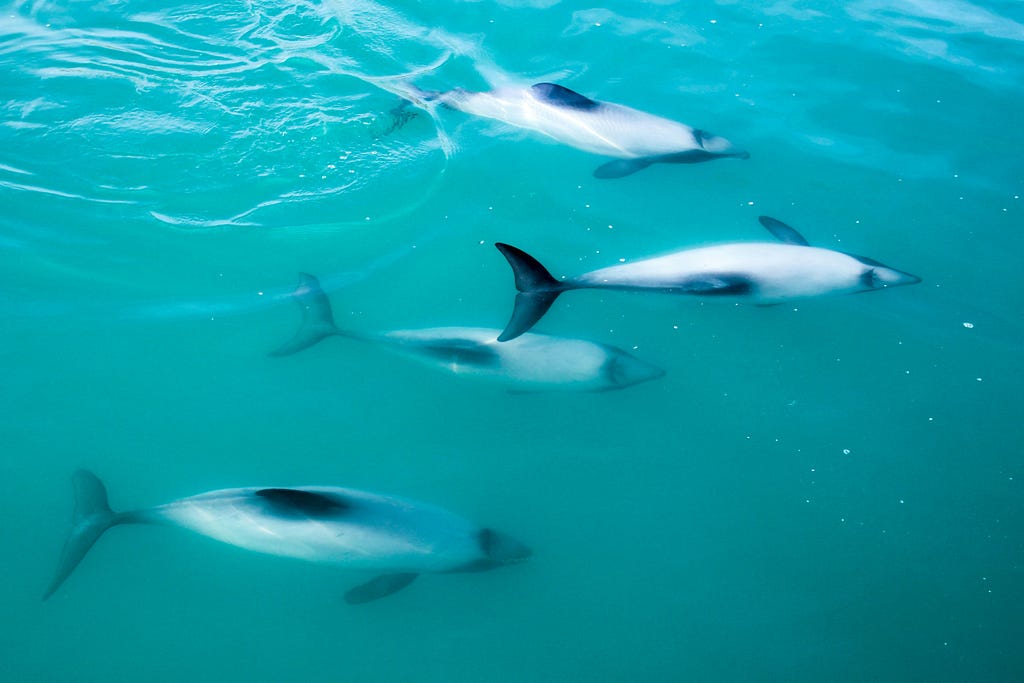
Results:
826 491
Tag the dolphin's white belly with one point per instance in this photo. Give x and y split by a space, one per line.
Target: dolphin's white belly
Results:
776 272
376 532
530 361
608 129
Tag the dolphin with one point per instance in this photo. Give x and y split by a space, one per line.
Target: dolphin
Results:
636 139
759 272
344 527
534 362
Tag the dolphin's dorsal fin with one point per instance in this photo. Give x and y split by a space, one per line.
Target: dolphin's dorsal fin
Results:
783 232
299 503
562 96
378 587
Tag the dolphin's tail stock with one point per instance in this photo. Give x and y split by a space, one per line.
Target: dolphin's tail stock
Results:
317 317
537 291
91 518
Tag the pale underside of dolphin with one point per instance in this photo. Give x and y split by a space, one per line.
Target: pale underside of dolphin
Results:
758 272
534 362
344 527
636 139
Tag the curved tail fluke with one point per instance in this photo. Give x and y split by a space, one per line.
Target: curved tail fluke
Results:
317 317
537 291
91 518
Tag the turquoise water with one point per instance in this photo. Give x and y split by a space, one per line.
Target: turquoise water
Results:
828 490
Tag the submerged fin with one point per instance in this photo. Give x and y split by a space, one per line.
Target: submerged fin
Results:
529 307
378 587
620 168
92 516
624 167
537 291
783 232
397 117
563 97
317 317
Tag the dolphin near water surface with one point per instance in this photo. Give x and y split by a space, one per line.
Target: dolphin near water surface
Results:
396 537
758 272
634 138
534 362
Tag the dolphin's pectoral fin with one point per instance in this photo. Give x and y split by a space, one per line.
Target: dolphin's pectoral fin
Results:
563 97
378 587
712 284
302 504
783 232
690 156
620 168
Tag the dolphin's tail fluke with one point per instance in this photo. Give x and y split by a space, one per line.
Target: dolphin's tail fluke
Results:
413 99
317 317
91 518
537 291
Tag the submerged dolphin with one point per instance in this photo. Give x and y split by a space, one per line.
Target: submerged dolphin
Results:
759 272
532 362
637 139
324 524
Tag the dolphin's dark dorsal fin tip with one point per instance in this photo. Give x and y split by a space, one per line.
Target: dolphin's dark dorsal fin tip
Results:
562 96
783 232
300 503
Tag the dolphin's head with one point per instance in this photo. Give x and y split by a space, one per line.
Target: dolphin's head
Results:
501 549
717 145
623 370
879 276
